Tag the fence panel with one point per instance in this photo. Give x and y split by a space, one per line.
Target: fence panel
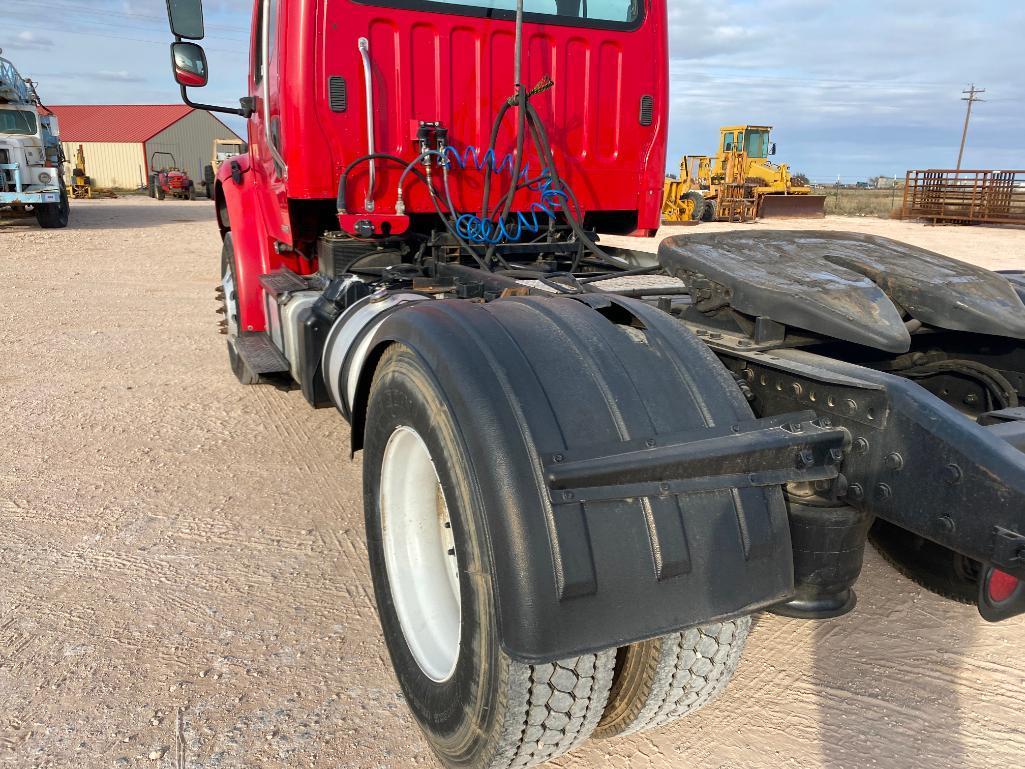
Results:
965 197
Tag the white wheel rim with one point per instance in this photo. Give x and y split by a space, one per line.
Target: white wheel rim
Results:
230 302
419 554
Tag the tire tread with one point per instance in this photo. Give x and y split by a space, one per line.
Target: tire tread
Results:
559 705
683 672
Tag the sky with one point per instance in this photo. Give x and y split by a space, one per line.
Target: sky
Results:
854 88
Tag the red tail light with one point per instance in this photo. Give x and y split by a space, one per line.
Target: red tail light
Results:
1001 586
1001 595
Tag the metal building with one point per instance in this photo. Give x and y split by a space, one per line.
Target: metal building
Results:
119 140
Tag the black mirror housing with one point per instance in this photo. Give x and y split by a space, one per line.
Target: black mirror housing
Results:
188 61
772 148
186 18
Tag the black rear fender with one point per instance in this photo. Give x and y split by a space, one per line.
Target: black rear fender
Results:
529 380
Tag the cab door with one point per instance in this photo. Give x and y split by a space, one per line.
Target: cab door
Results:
269 31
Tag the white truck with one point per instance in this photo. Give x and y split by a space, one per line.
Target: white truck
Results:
31 156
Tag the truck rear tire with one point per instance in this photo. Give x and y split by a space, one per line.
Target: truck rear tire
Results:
230 306
54 216
936 568
662 680
432 573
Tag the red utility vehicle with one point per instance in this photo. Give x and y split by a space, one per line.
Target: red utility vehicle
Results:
169 180
586 467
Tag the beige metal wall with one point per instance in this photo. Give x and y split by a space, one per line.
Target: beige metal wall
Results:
190 140
109 164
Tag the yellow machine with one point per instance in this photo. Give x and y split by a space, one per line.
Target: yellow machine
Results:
739 183
223 149
81 185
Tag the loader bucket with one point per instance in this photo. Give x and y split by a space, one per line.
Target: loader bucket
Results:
793 206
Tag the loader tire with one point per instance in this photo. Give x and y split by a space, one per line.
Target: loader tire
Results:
937 568
478 708
161 194
229 287
708 213
697 204
662 680
151 186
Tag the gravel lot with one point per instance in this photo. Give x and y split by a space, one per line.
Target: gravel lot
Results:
183 579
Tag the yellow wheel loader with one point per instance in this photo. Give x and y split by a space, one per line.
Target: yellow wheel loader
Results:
738 183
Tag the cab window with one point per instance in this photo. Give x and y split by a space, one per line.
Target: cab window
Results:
268 9
758 144
258 48
727 142
615 14
18 122
272 30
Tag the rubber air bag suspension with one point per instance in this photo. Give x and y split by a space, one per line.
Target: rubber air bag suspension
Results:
829 549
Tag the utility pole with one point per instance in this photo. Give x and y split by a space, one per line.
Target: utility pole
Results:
971 96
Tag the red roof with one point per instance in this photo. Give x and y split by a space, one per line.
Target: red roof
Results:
116 122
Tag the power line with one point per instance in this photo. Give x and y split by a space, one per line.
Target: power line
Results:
971 96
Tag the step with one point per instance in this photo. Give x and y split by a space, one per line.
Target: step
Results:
283 281
260 354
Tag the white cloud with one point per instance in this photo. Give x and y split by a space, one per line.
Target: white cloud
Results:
28 41
121 76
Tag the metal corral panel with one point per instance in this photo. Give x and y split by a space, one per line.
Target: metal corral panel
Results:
110 164
965 197
190 140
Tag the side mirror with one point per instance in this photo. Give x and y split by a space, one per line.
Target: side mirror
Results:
189 62
186 17
772 148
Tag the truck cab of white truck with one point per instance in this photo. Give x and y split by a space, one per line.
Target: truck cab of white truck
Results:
31 156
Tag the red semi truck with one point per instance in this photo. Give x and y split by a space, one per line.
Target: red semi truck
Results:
586 467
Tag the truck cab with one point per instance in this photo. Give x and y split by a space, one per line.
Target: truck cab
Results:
31 157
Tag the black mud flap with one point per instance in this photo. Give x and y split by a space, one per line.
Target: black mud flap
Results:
844 285
627 489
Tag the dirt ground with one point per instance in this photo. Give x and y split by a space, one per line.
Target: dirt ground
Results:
183 579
